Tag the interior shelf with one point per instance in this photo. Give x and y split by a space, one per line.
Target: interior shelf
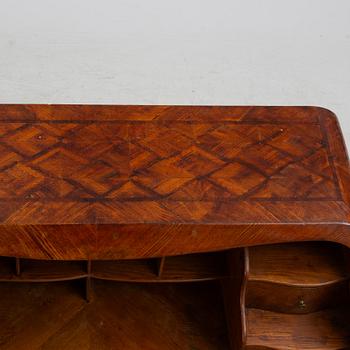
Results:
141 270
283 296
195 267
7 268
324 330
27 270
184 268
303 264
43 270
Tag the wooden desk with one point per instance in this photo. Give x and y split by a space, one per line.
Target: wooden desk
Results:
246 197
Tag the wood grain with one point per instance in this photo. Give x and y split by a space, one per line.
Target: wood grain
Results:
324 330
42 271
129 193
85 177
234 294
296 299
270 284
185 268
120 316
298 264
297 296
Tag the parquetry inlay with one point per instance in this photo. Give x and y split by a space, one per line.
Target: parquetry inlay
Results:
169 160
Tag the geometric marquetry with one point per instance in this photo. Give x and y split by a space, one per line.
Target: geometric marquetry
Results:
174 160
248 202
150 165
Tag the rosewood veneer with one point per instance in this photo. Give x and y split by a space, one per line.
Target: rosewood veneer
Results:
209 227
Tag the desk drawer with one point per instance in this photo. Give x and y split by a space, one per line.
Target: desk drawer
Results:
297 296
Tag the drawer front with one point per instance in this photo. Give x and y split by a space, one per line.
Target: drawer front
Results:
295 299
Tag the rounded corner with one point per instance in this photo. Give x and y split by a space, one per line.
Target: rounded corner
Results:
326 113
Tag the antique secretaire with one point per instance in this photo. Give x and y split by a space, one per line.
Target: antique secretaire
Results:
190 228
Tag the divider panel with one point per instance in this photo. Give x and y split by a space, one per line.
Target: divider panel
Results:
234 290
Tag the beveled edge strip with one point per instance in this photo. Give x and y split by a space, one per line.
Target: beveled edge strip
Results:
108 242
45 112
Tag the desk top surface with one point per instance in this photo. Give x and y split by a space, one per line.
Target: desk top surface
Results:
71 164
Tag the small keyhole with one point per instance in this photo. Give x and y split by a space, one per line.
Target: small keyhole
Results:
302 304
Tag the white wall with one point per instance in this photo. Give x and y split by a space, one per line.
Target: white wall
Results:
260 52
